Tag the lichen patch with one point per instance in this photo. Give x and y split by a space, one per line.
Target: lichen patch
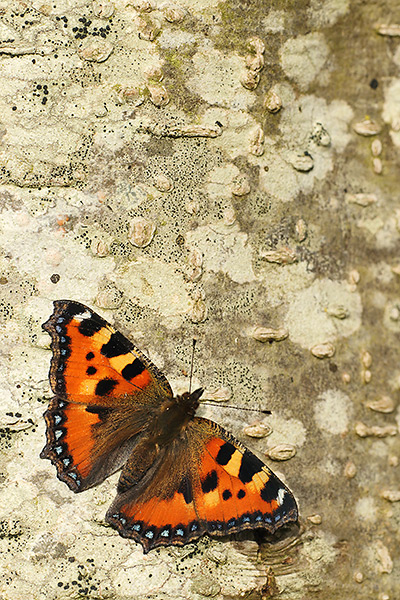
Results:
333 411
309 320
216 79
225 250
303 57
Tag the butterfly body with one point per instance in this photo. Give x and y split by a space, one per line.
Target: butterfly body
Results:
174 416
182 475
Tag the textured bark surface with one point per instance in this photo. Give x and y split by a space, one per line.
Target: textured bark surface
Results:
229 171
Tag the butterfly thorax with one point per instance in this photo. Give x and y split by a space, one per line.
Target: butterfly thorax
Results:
173 417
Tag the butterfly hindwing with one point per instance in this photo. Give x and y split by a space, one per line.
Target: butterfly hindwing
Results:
157 521
159 509
106 391
81 444
222 489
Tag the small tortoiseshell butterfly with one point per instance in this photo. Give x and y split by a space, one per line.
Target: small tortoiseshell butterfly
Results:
182 476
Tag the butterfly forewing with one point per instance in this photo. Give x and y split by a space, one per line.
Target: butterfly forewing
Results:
106 391
93 362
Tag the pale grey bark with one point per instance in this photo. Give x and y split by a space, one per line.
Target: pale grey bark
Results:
229 171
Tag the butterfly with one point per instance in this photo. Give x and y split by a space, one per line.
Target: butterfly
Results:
182 476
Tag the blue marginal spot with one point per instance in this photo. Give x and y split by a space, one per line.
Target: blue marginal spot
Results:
179 532
149 534
165 533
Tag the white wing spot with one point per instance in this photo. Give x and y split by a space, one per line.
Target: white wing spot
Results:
82 316
281 495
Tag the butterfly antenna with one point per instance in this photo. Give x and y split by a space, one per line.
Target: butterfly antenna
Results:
259 410
191 366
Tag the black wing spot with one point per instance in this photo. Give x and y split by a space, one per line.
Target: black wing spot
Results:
91 370
241 494
89 356
116 346
186 490
270 490
210 482
225 454
89 327
133 369
102 411
226 494
249 467
105 386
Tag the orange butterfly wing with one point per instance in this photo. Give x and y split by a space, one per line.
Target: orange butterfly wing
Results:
181 477
239 491
106 391
219 487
